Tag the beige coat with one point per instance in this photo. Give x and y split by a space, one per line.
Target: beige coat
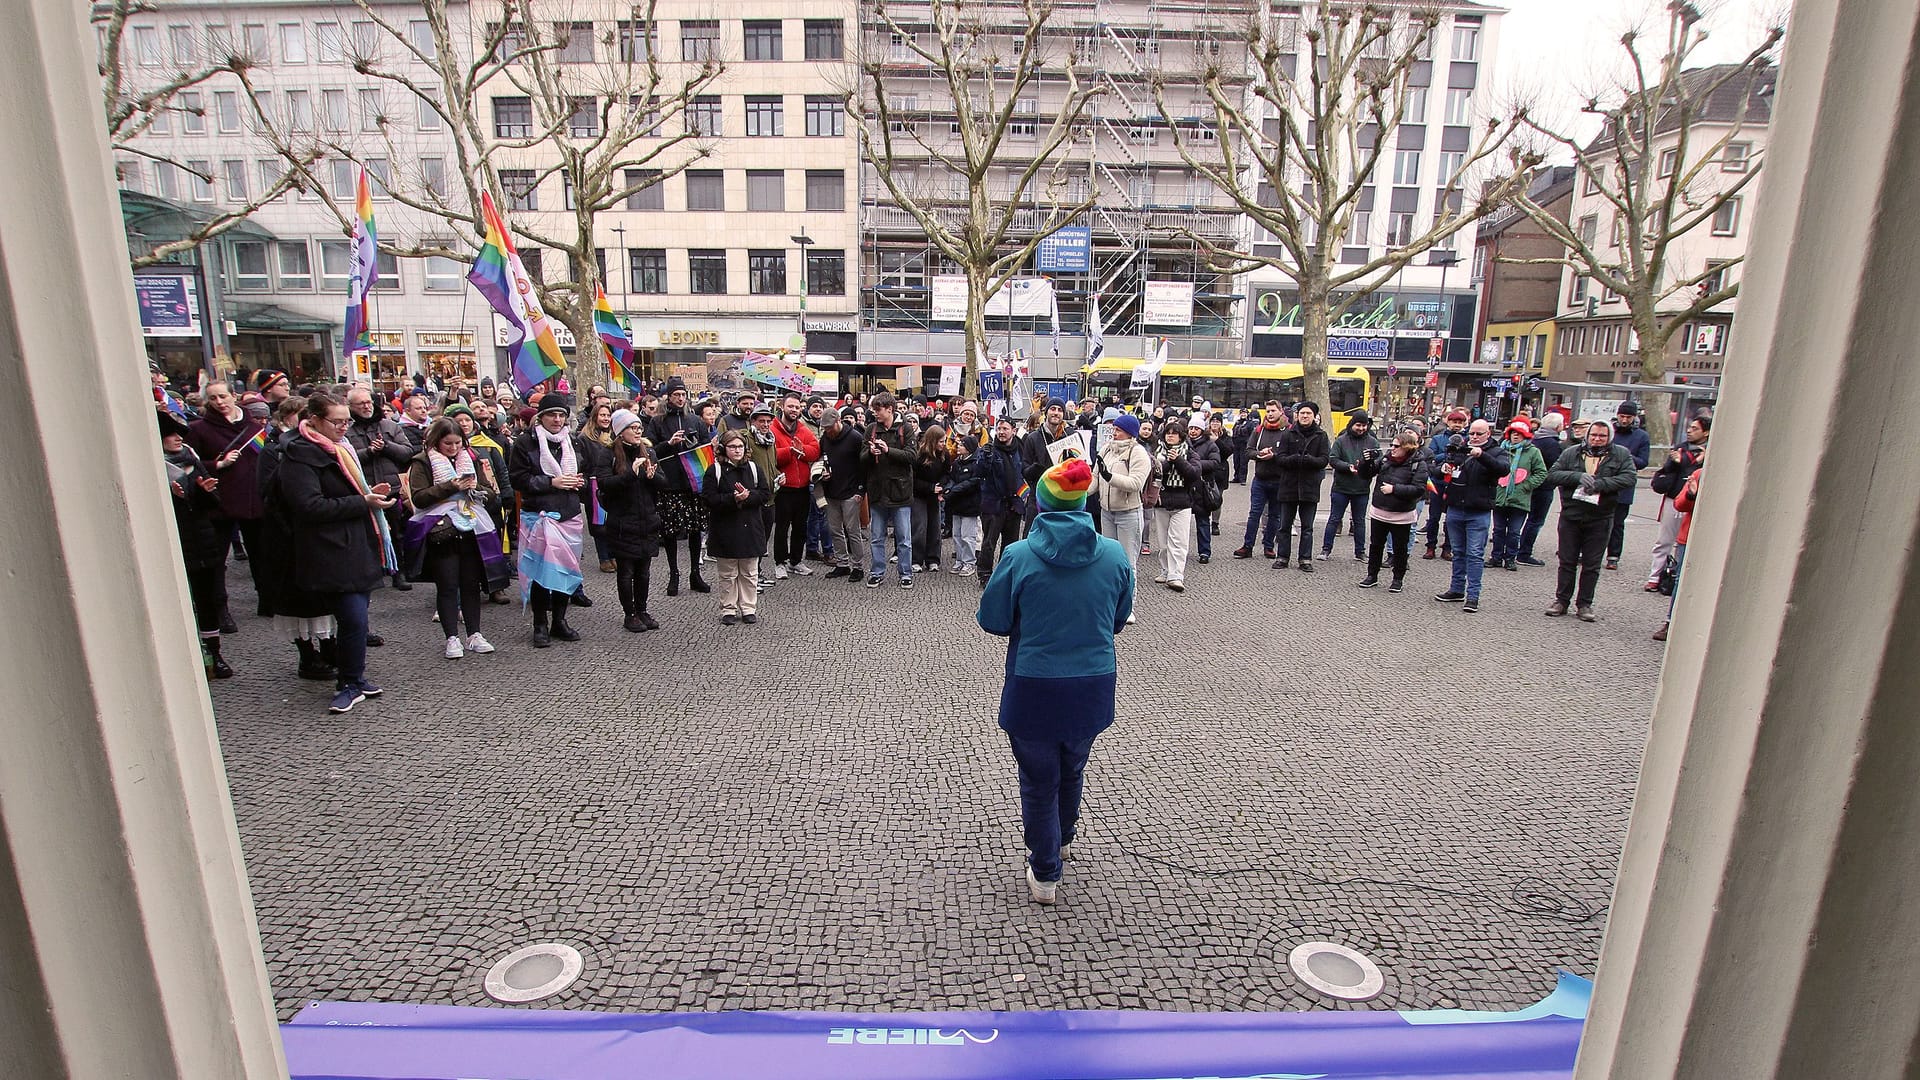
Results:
1131 466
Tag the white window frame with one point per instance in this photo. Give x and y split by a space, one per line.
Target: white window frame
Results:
1731 209
193 113
428 119
1406 168
231 170
1466 44
251 283
293 43
292 282
334 117
370 118
226 111
327 51
1669 162
1459 107
1738 160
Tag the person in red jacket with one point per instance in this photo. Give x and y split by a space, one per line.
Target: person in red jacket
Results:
795 449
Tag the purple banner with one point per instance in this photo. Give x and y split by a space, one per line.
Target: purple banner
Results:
349 1041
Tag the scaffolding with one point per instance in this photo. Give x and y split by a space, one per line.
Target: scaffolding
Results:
1148 200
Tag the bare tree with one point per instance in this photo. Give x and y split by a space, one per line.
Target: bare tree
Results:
987 77
606 117
1660 165
134 105
1299 149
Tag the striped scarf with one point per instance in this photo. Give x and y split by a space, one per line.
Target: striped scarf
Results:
349 463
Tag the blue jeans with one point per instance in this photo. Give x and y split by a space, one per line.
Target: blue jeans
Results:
1536 517
1051 776
1340 505
818 540
1266 496
901 518
350 639
1508 524
1467 532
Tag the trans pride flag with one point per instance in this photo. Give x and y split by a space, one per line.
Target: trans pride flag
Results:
618 348
498 274
366 271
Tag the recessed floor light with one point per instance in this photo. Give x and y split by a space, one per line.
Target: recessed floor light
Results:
1337 971
533 972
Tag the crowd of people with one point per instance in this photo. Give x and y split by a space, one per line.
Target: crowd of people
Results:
330 492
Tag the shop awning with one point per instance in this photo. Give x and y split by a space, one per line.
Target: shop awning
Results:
163 220
274 317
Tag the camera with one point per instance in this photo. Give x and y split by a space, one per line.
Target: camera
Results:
1457 443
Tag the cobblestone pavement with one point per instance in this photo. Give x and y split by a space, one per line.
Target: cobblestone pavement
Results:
819 812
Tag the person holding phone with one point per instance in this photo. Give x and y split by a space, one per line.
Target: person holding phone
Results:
342 547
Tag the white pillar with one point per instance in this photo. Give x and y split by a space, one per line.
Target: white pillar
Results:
1766 924
127 940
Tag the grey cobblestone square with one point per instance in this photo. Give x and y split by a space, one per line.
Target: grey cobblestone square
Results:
819 812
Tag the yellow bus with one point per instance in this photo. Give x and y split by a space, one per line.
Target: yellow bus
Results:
1230 386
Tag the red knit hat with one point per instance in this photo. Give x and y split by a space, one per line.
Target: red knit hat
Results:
1520 426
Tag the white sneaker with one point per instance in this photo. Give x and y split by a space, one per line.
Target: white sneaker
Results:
965 571
1129 618
1066 852
478 644
801 569
1043 892
454 649
779 571
1160 579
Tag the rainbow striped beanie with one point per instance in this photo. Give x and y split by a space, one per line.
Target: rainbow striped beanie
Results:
1065 486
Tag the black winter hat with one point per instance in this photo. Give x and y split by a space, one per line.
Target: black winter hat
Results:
553 401
1628 408
171 424
1359 416
675 383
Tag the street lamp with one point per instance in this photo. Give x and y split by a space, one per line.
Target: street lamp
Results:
804 241
1445 260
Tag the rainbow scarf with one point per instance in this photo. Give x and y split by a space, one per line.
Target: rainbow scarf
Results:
696 462
349 463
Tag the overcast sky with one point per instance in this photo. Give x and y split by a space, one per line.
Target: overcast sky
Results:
1563 50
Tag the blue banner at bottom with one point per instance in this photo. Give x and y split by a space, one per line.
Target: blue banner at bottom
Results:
329 1041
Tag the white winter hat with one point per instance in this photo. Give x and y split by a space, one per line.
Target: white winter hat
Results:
622 419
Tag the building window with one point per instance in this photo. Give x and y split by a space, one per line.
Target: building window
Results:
1022 124
293 43
706 190
200 180
373 110
420 34
576 42
1734 157
512 118
193 113
262 119
707 271
1715 280
429 117
433 176
127 175
1595 177
1669 161
1466 43
826 273
333 110
1406 167
387 267
766 189
903 270
1579 294
166 179
343 181
584 121
185 53
703 116
1414 110
336 265
234 173
521 189
1399 228
762 39
296 265
250 272
699 39
767 273
1589 229
647 270
146 46
299 111
379 178
513 41
765 117
566 191
825 117
226 111
648 193
639 41
826 39
444 274
1452 162
1459 107
272 171
1726 219
329 47
826 189
533 258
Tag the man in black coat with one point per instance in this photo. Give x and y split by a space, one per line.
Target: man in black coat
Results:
1034 458
675 431
1242 432
548 465
1301 457
1472 467
1590 478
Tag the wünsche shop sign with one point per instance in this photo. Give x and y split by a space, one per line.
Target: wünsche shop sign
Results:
1384 327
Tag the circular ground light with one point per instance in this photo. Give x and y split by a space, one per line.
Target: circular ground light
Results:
1337 971
533 972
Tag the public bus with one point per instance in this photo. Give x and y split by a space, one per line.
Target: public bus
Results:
1231 387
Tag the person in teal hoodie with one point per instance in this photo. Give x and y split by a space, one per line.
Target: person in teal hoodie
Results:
1059 597
1513 502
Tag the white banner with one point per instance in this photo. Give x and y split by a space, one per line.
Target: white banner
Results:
503 332
950 299
1168 303
950 380
1024 298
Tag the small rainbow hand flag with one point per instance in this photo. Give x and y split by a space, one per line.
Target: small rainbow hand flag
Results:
696 462
258 442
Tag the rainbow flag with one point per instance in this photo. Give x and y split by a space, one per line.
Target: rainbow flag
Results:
502 279
618 348
366 271
696 462
258 442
